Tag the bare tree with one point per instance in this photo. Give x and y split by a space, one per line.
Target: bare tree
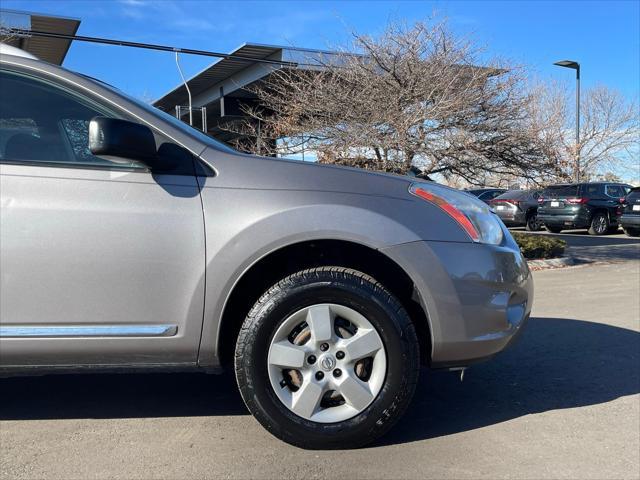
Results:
415 96
609 131
6 32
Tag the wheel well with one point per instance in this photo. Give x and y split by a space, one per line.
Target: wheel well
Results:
601 210
293 258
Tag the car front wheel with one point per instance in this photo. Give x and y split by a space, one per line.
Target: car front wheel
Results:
631 231
327 358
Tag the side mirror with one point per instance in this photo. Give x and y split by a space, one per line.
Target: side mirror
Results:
122 140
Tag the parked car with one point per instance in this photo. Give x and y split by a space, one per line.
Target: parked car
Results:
130 240
518 208
630 219
486 194
595 206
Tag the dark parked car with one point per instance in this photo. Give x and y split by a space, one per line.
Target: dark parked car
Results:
596 206
630 219
518 208
486 194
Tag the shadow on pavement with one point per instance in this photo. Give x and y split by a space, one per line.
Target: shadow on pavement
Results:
119 396
556 364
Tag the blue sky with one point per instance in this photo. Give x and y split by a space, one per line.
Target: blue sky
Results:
603 36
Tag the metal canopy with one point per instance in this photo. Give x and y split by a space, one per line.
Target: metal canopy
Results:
219 71
52 50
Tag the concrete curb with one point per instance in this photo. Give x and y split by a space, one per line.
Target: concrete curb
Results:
546 263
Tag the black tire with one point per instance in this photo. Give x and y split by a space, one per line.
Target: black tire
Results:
631 231
599 224
328 285
551 229
532 224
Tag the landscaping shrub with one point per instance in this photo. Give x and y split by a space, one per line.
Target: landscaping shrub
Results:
539 246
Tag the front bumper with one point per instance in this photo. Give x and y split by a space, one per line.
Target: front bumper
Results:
477 297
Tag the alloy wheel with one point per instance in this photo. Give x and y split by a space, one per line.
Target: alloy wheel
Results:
326 363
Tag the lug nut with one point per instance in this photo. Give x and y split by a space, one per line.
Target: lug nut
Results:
324 347
337 372
311 359
340 355
319 375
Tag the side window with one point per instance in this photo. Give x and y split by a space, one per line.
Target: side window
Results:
77 131
591 190
615 191
10 127
42 122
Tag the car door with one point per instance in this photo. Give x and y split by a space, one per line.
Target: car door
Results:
101 261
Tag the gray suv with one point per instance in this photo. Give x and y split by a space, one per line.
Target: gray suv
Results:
130 240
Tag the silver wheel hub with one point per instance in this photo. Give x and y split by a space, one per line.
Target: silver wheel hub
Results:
326 363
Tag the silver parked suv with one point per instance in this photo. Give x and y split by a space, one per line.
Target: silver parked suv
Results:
131 240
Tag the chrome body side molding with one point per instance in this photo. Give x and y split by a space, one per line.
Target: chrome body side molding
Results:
16 331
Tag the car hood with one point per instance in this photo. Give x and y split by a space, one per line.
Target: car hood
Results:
268 173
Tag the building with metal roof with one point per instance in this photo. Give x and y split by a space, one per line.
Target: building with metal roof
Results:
222 87
52 50
220 90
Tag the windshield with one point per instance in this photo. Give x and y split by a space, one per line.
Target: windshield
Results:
186 128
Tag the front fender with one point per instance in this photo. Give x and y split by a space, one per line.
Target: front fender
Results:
254 206
235 245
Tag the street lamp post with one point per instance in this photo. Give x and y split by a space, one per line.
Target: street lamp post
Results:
576 66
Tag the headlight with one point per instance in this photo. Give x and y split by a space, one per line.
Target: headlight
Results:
473 215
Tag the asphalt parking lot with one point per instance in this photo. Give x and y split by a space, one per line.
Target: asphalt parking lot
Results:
564 402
